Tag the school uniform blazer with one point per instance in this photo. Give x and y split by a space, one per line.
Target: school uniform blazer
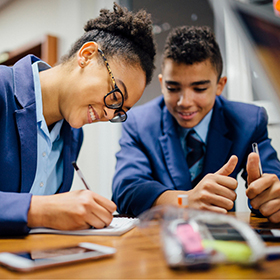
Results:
151 159
18 146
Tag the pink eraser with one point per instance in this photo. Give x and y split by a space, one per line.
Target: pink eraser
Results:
190 239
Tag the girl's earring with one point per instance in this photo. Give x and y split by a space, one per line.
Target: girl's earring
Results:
82 63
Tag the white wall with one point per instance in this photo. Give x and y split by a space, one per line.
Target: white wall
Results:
239 59
22 21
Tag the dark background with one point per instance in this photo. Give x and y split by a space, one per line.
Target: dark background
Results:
167 15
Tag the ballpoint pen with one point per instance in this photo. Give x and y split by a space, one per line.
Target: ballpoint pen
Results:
256 150
79 172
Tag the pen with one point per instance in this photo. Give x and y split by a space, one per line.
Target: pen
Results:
80 174
256 150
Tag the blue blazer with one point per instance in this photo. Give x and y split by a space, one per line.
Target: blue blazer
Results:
18 146
151 159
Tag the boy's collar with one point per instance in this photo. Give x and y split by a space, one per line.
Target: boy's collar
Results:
201 129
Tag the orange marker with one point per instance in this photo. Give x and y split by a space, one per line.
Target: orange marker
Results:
276 7
183 200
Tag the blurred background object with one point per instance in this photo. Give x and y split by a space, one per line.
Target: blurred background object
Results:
276 7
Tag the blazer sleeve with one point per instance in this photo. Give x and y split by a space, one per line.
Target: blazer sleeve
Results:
13 220
134 186
14 206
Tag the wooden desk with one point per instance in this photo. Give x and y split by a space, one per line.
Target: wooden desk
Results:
138 257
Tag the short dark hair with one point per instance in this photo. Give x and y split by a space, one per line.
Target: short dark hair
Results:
192 44
122 34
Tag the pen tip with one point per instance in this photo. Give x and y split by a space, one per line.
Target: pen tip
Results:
75 165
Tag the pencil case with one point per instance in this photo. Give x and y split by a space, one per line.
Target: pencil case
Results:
197 239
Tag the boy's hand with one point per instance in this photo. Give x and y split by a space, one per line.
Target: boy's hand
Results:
263 191
215 192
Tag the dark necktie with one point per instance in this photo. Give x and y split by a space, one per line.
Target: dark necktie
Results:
194 156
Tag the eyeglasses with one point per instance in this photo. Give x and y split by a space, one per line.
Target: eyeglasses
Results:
114 99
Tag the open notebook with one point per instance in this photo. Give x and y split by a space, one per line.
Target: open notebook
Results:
118 226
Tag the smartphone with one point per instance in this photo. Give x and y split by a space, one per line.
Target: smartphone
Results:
269 234
37 259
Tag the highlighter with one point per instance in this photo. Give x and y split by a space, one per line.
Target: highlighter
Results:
183 200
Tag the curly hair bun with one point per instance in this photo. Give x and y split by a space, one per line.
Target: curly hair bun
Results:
136 27
121 34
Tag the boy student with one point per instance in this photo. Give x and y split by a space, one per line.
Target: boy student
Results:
192 140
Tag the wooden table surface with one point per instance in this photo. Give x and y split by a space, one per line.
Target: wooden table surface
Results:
139 256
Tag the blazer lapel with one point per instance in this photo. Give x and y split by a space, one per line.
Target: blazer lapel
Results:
26 120
173 152
218 145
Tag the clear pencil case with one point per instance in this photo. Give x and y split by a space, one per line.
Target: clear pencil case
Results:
199 239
